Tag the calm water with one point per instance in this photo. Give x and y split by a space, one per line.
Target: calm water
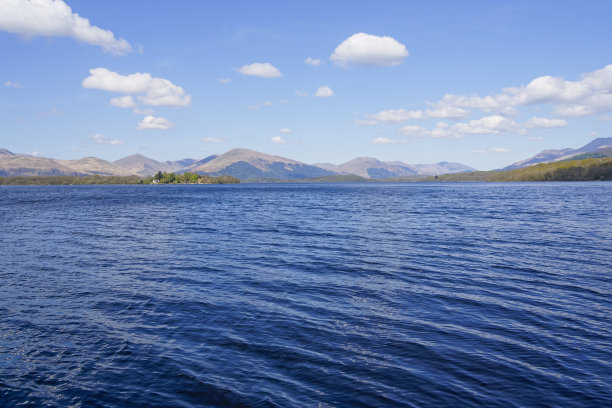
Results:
348 295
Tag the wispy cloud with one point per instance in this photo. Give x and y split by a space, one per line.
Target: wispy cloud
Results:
12 84
213 140
314 62
101 139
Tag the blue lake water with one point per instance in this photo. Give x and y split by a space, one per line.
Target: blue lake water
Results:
297 295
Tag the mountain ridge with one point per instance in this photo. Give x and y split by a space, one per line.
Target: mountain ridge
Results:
553 155
250 164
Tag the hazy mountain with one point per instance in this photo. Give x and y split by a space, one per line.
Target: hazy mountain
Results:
18 165
93 166
197 163
435 169
327 166
4 152
546 156
370 167
144 166
249 164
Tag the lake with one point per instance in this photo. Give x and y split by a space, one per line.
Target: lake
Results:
307 295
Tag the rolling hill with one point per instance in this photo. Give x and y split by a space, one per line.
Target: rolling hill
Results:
249 164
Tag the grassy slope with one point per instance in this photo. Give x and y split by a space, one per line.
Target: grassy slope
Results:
573 170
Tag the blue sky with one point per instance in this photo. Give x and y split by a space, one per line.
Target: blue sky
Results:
484 83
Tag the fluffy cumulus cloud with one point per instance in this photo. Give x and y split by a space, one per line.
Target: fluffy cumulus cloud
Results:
285 131
126 101
101 139
259 69
151 123
369 50
151 91
590 95
313 62
324 92
54 18
278 139
488 125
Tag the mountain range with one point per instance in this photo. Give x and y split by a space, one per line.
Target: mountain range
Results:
599 145
249 164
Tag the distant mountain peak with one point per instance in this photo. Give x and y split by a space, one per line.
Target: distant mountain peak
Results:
552 155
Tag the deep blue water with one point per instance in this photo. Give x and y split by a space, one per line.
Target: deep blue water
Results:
287 295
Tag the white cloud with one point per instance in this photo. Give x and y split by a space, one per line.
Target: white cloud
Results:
537 122
404 115
572 111
101 139
494 124
414 131
285 131
263 70
54 18
491 150
225 80
143 111
260 104
278 139
536 138
313 62
369 50
499 150
151 122
12 84
589 95
324 92
152 91
365 121
384 141
126 101
396 115
449 112
299 93
52 112
213 140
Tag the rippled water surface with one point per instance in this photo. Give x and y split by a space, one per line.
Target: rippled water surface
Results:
347 295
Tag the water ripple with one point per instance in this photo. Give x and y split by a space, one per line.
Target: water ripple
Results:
408 295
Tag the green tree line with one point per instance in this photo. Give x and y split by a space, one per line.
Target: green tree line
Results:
190 178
